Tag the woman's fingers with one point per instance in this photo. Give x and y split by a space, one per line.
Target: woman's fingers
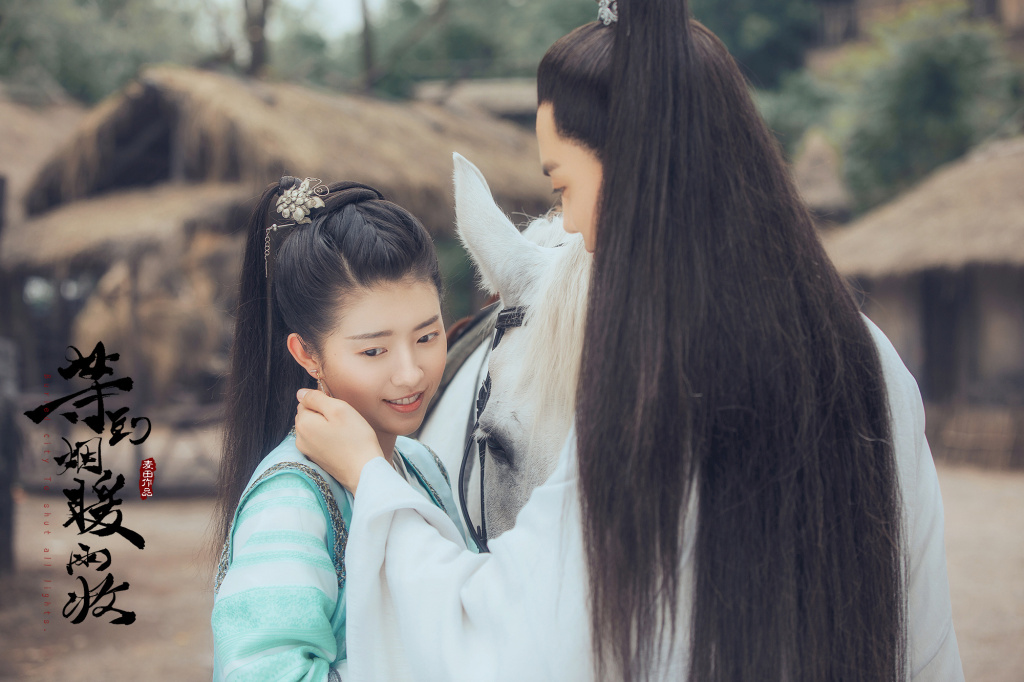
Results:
331 409
314 401
334 435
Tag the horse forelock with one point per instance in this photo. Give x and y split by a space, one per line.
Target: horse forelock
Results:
555 317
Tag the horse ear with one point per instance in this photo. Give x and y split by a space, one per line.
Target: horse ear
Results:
508 263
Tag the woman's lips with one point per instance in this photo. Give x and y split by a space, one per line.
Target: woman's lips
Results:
410 403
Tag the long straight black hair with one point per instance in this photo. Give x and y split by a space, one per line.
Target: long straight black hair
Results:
356 241
731 364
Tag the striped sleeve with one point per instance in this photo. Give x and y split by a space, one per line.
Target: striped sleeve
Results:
272 614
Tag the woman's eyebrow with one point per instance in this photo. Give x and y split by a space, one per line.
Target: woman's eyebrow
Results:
427 323
388 332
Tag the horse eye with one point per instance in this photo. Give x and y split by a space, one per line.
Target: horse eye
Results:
497 450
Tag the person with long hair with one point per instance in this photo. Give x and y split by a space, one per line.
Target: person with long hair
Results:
747 493
340 289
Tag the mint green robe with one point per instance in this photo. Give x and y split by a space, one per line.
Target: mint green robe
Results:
279 594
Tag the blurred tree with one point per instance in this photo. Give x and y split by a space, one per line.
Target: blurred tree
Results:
801 101
255 33
410 39
935 84
303 54
91 47
931 84
768 38
368 63
444 39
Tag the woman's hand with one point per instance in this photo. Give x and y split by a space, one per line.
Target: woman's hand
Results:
335 436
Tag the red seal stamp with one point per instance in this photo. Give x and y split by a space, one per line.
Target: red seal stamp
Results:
147 473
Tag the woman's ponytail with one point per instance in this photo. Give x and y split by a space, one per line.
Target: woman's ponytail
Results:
256 396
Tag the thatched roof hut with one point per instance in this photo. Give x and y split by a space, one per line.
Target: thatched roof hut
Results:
941 269
133 227
188 126
970 211
121 225
818 175
30 136
514 99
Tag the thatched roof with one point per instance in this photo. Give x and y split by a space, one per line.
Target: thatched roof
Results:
196 126
120 225
30 136
818 175
509 97
968 212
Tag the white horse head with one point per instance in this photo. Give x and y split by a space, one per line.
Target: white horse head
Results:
533 368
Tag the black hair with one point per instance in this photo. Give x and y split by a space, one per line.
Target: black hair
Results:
299 283
733 366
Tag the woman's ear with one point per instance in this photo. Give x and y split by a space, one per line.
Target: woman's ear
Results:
301 354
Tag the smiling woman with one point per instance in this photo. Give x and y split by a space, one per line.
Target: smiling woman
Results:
341 287
388 375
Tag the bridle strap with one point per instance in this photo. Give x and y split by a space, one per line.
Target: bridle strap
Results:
511 317
508 318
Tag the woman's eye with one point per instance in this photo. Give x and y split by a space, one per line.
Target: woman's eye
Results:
428 337
373 352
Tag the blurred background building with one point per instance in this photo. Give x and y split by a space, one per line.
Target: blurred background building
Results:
135 134
126 183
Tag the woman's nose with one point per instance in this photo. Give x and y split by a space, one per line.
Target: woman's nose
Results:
408 371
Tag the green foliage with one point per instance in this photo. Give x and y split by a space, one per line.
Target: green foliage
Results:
768 38
930 85
473 39
935 85
90 47
303 55
457 278
800 102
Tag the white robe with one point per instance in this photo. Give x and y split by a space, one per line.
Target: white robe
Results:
422 607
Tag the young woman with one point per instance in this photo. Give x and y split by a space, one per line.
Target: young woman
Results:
748 493
349 300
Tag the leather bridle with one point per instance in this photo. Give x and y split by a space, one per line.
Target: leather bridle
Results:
508 318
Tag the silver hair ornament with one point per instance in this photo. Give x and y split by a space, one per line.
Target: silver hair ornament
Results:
295 204
607 11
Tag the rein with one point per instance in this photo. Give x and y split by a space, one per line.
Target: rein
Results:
508 318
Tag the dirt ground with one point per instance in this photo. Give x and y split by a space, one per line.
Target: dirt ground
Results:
170 590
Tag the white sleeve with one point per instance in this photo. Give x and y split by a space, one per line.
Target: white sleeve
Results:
423 607
932 646
933 649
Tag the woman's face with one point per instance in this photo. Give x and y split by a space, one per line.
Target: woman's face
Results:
387 354
575 174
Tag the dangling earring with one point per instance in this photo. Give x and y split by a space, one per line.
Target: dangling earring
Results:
321 386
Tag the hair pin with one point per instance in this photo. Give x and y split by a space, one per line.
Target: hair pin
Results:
297 203
607 11
266 247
